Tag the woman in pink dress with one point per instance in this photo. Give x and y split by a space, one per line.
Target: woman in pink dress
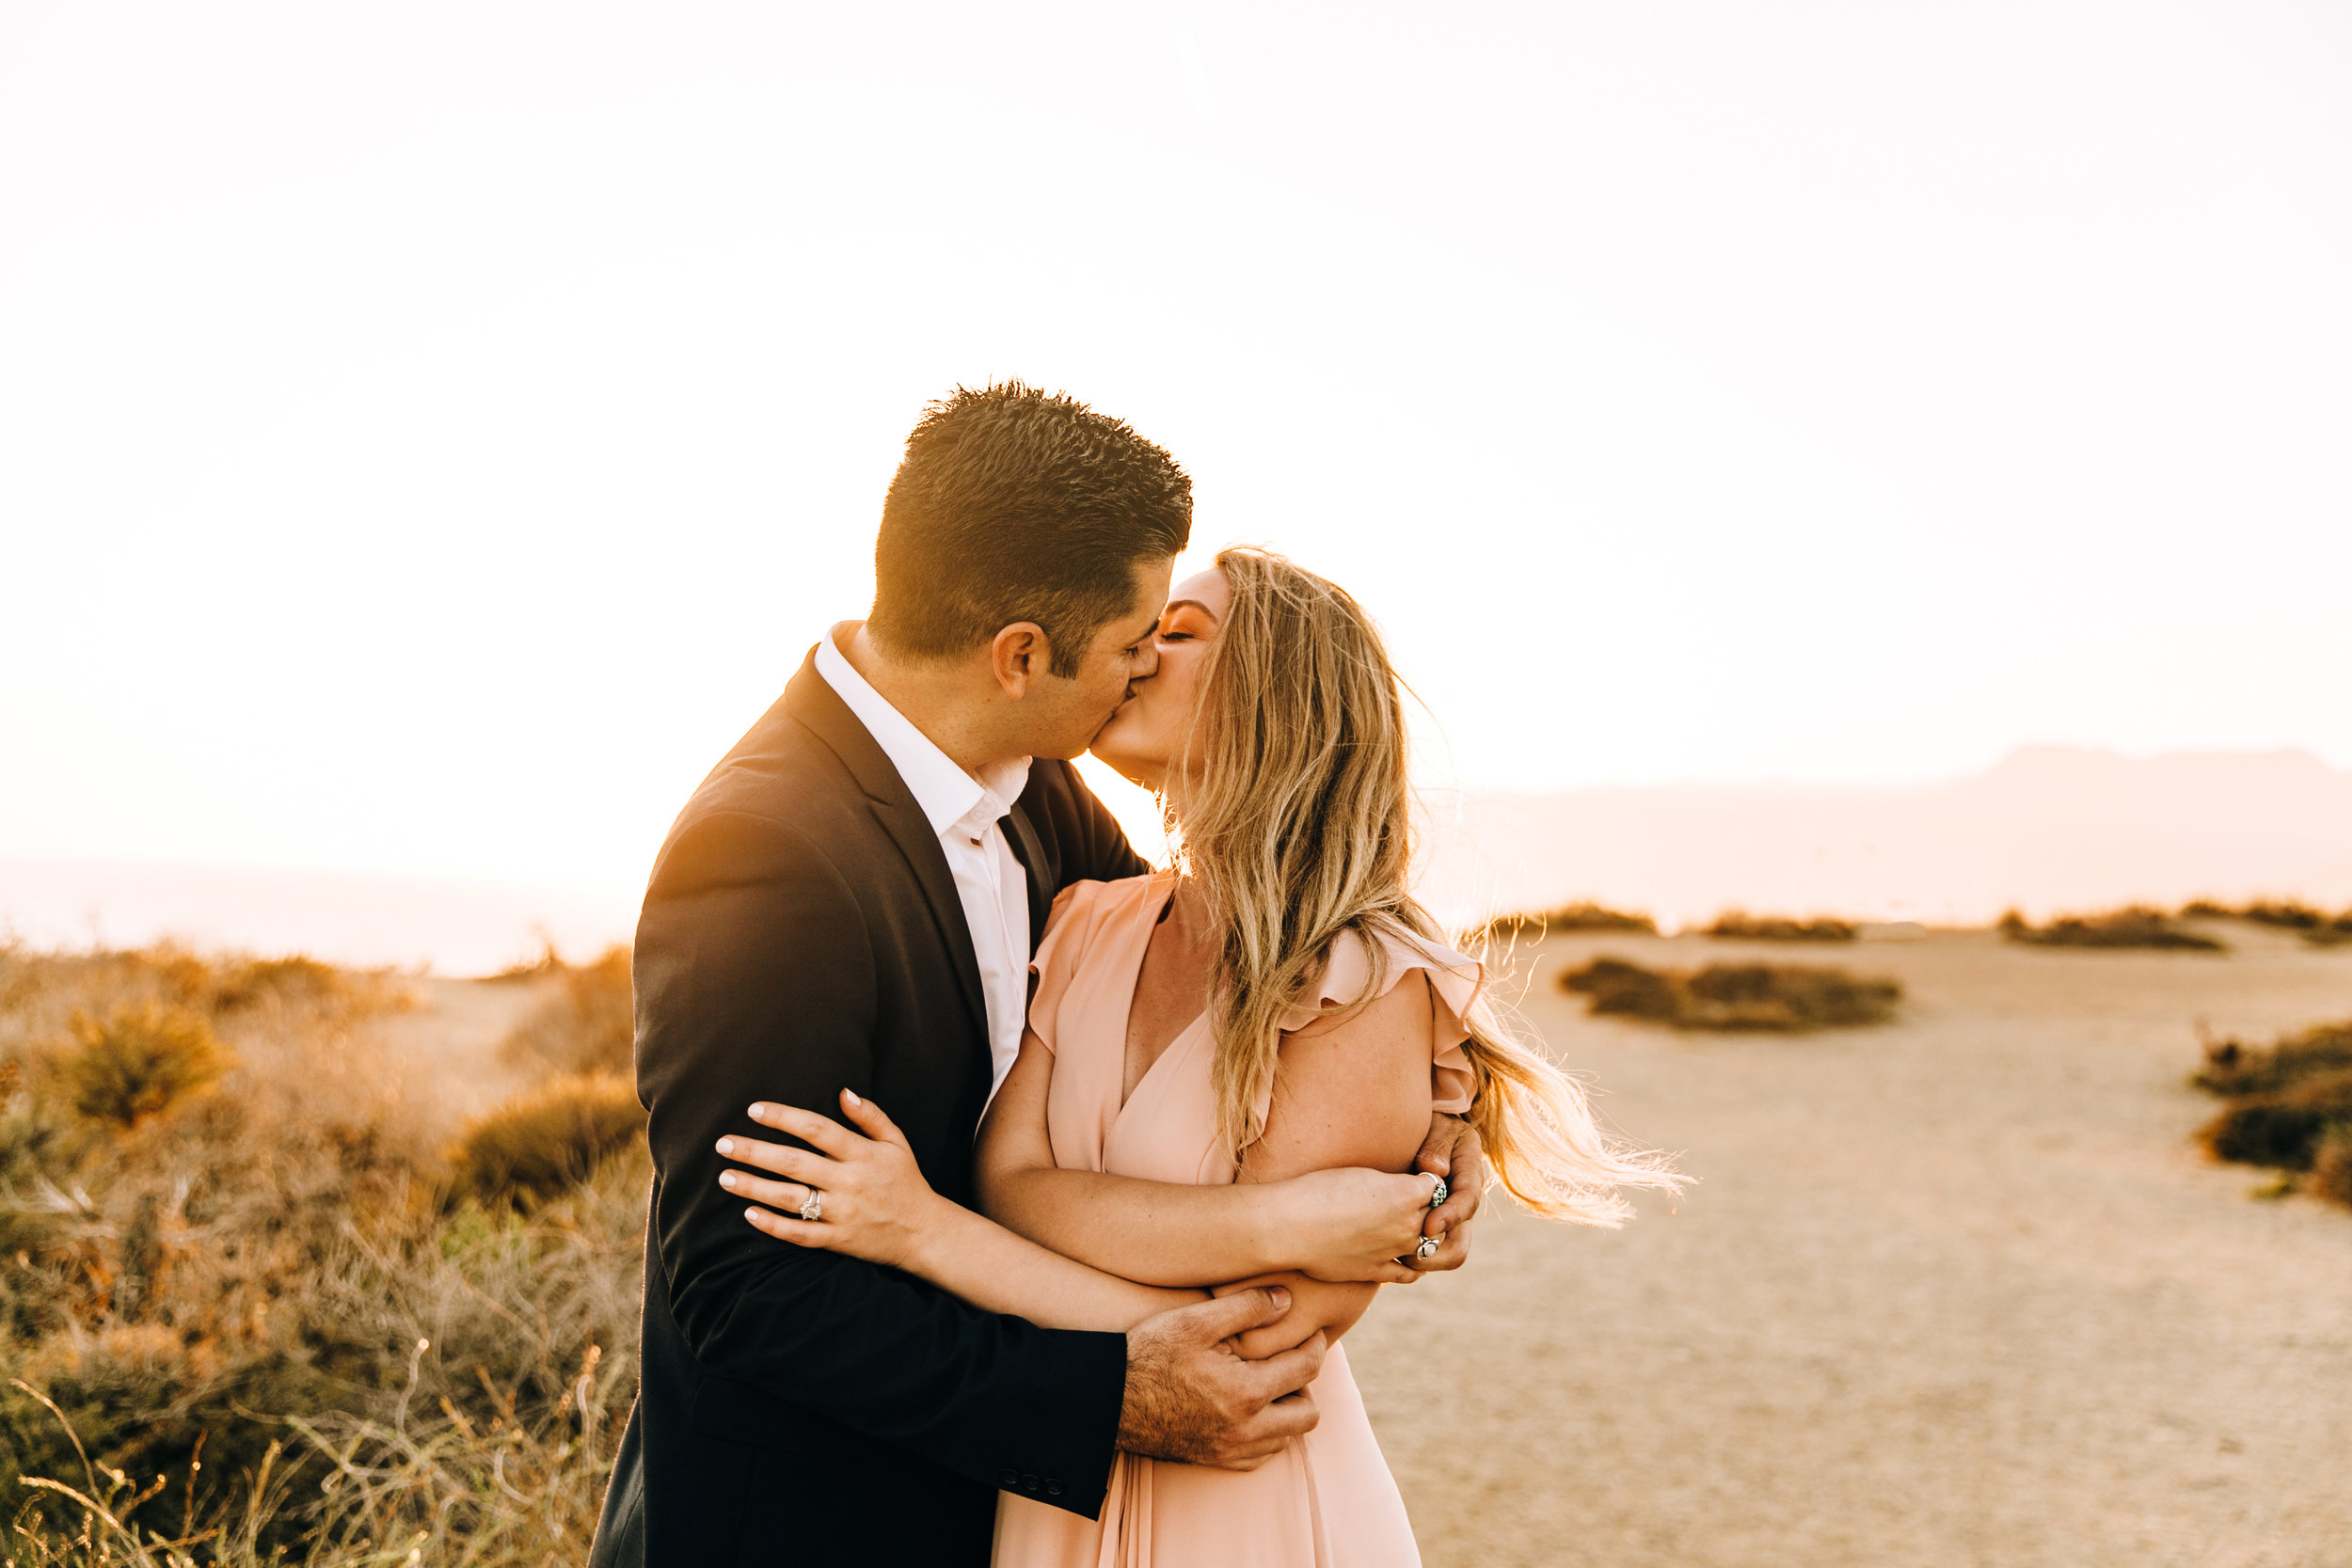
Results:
1277 1006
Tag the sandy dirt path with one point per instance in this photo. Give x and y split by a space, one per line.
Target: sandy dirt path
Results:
446 1046
1956 1290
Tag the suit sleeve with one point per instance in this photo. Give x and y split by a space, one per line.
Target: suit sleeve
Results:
754 981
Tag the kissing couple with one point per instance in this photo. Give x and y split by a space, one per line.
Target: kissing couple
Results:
1011 1198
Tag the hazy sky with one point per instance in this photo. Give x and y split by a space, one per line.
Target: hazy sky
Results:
430 433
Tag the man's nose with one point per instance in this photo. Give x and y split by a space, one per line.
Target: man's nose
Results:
1146 663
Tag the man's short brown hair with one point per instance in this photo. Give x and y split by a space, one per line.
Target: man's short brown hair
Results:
1014 504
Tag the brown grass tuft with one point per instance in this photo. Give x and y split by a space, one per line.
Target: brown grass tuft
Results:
1740 924
271 1275
144 1060
2332 1166
548 1139
1779 997
2313 926
2134 925
1585 916
2289 1104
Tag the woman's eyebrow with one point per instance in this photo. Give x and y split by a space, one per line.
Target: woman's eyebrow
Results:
1179 603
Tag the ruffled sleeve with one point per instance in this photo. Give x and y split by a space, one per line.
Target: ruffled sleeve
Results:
1455 982
1077 914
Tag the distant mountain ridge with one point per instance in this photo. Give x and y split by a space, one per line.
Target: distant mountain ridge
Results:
354 917
2047 828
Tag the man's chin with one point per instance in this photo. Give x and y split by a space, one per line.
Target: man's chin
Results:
1104 727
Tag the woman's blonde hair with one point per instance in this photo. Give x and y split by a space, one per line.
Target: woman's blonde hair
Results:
1291 811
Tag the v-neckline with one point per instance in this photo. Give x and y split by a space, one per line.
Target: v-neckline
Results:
1127 1016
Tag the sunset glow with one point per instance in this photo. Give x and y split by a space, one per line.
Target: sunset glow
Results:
426 443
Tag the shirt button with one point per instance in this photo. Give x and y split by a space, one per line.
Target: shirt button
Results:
1053 1486
1007 1478
1029 1483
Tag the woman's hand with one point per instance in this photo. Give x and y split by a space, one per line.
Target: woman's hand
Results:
1350 1226
874 1201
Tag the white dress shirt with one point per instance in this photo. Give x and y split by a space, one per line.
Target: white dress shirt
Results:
963 811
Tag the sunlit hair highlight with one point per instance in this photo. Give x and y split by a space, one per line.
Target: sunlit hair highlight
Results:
1291 814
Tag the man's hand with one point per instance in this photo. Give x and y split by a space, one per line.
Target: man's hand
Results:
1190 1398
1452 1150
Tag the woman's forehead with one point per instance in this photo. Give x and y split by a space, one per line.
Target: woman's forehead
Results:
1210 589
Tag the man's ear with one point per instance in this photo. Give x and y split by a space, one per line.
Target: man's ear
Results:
1019 655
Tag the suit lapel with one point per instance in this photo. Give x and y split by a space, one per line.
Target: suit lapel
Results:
1031 854
815 705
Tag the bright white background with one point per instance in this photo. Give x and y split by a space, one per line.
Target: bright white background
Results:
430 433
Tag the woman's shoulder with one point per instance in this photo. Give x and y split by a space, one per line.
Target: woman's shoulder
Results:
1351 981
1364 966
1086 907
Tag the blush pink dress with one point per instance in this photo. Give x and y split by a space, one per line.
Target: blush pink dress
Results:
1326 1501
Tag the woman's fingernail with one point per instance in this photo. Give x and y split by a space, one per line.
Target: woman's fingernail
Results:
726 1146
726 1179
759 1110
851 1094
751 1215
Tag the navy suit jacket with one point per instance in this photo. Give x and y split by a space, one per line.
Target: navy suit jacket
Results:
801 934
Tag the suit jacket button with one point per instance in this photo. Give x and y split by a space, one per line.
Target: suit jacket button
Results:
1007 1478
1029 1483
1053 1486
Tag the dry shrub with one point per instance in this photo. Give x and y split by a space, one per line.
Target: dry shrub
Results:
2281 1130
588 1024
2235 1069
548 1139
145 1060
2332 1166
2313 926
2287 914
2134 925
253 980
251 1274
1740 924
1780 997
1585 916
505 1355
2290 1105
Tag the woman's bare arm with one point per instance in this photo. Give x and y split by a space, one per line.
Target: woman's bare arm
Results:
1354 1091
1309 1194
878 1207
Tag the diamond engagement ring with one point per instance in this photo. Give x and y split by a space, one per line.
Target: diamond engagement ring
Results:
1428 1247
1436 1194
814 1208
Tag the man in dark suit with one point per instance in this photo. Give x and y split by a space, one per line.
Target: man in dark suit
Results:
849 900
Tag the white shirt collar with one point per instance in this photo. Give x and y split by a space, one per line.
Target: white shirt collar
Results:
946 794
